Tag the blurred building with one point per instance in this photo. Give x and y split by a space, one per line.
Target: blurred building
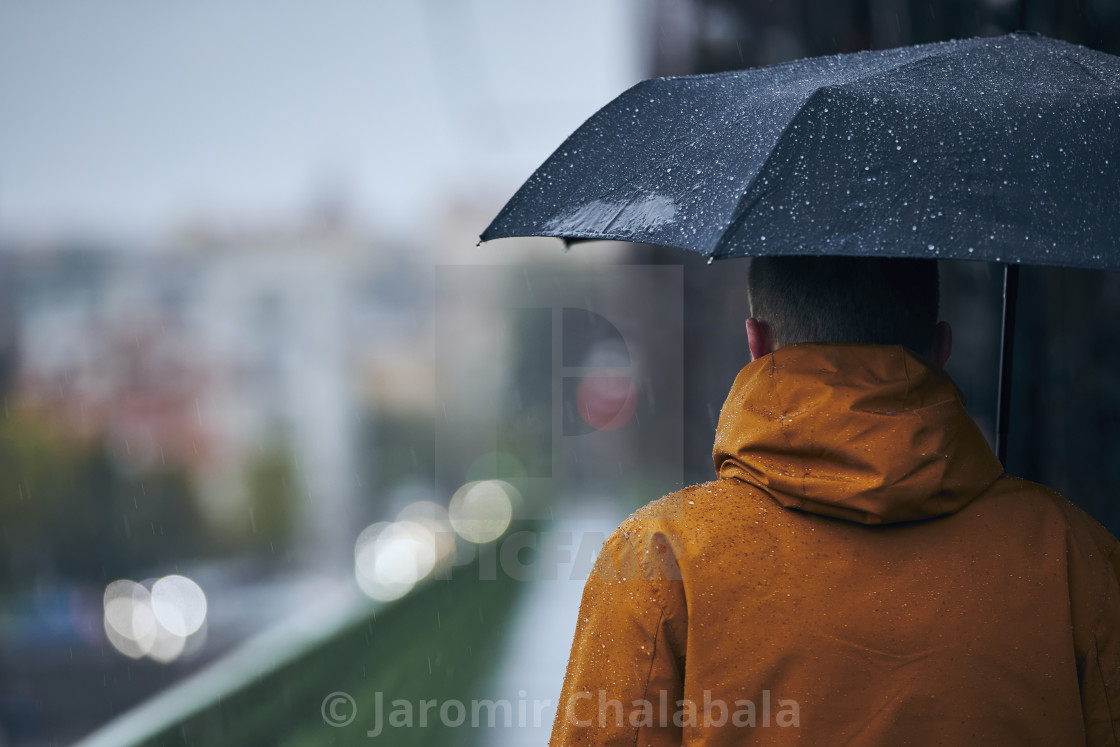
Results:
216 348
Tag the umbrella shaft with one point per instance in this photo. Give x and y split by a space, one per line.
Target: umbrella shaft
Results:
1006 358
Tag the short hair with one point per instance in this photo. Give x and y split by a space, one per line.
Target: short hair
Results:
869 300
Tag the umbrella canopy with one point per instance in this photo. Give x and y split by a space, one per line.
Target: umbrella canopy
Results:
1004 149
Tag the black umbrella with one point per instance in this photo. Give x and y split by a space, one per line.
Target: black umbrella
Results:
1004 149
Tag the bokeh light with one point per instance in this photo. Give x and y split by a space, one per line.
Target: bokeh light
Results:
166 646
434 518
155 622
179 605
130 623
391 557
481 511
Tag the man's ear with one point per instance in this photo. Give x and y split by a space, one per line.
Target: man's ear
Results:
759 338
942 345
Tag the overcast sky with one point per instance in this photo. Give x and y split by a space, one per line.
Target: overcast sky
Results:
130 117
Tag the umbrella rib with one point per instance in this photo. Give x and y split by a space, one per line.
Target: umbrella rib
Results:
752 194
1092 74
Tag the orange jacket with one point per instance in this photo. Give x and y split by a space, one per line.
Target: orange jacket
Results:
862 572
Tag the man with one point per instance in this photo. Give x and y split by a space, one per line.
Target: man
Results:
862 571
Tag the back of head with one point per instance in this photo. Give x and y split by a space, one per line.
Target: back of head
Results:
874 301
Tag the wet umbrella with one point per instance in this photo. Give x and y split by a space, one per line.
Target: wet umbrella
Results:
1005 149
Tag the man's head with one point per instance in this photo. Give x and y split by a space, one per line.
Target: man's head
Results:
846 299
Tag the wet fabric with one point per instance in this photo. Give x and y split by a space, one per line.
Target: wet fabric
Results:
1002 149
861 572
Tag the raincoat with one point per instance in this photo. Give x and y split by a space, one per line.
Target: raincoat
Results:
861 572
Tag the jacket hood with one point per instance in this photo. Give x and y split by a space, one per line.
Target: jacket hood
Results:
867 433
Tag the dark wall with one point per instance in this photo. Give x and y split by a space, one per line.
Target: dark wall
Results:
702 36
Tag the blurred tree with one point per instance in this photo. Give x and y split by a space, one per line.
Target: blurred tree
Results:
70 514
37 477
273 495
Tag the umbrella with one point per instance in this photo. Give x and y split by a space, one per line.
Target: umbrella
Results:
1004 149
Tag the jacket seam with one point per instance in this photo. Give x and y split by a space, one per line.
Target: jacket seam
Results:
1097 659
1104 690
652 661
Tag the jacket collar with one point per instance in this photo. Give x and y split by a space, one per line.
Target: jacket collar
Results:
867 433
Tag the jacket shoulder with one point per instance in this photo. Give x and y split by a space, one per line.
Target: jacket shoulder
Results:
684 522
1085 530
691 501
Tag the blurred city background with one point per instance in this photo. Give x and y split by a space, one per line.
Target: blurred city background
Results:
275 428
